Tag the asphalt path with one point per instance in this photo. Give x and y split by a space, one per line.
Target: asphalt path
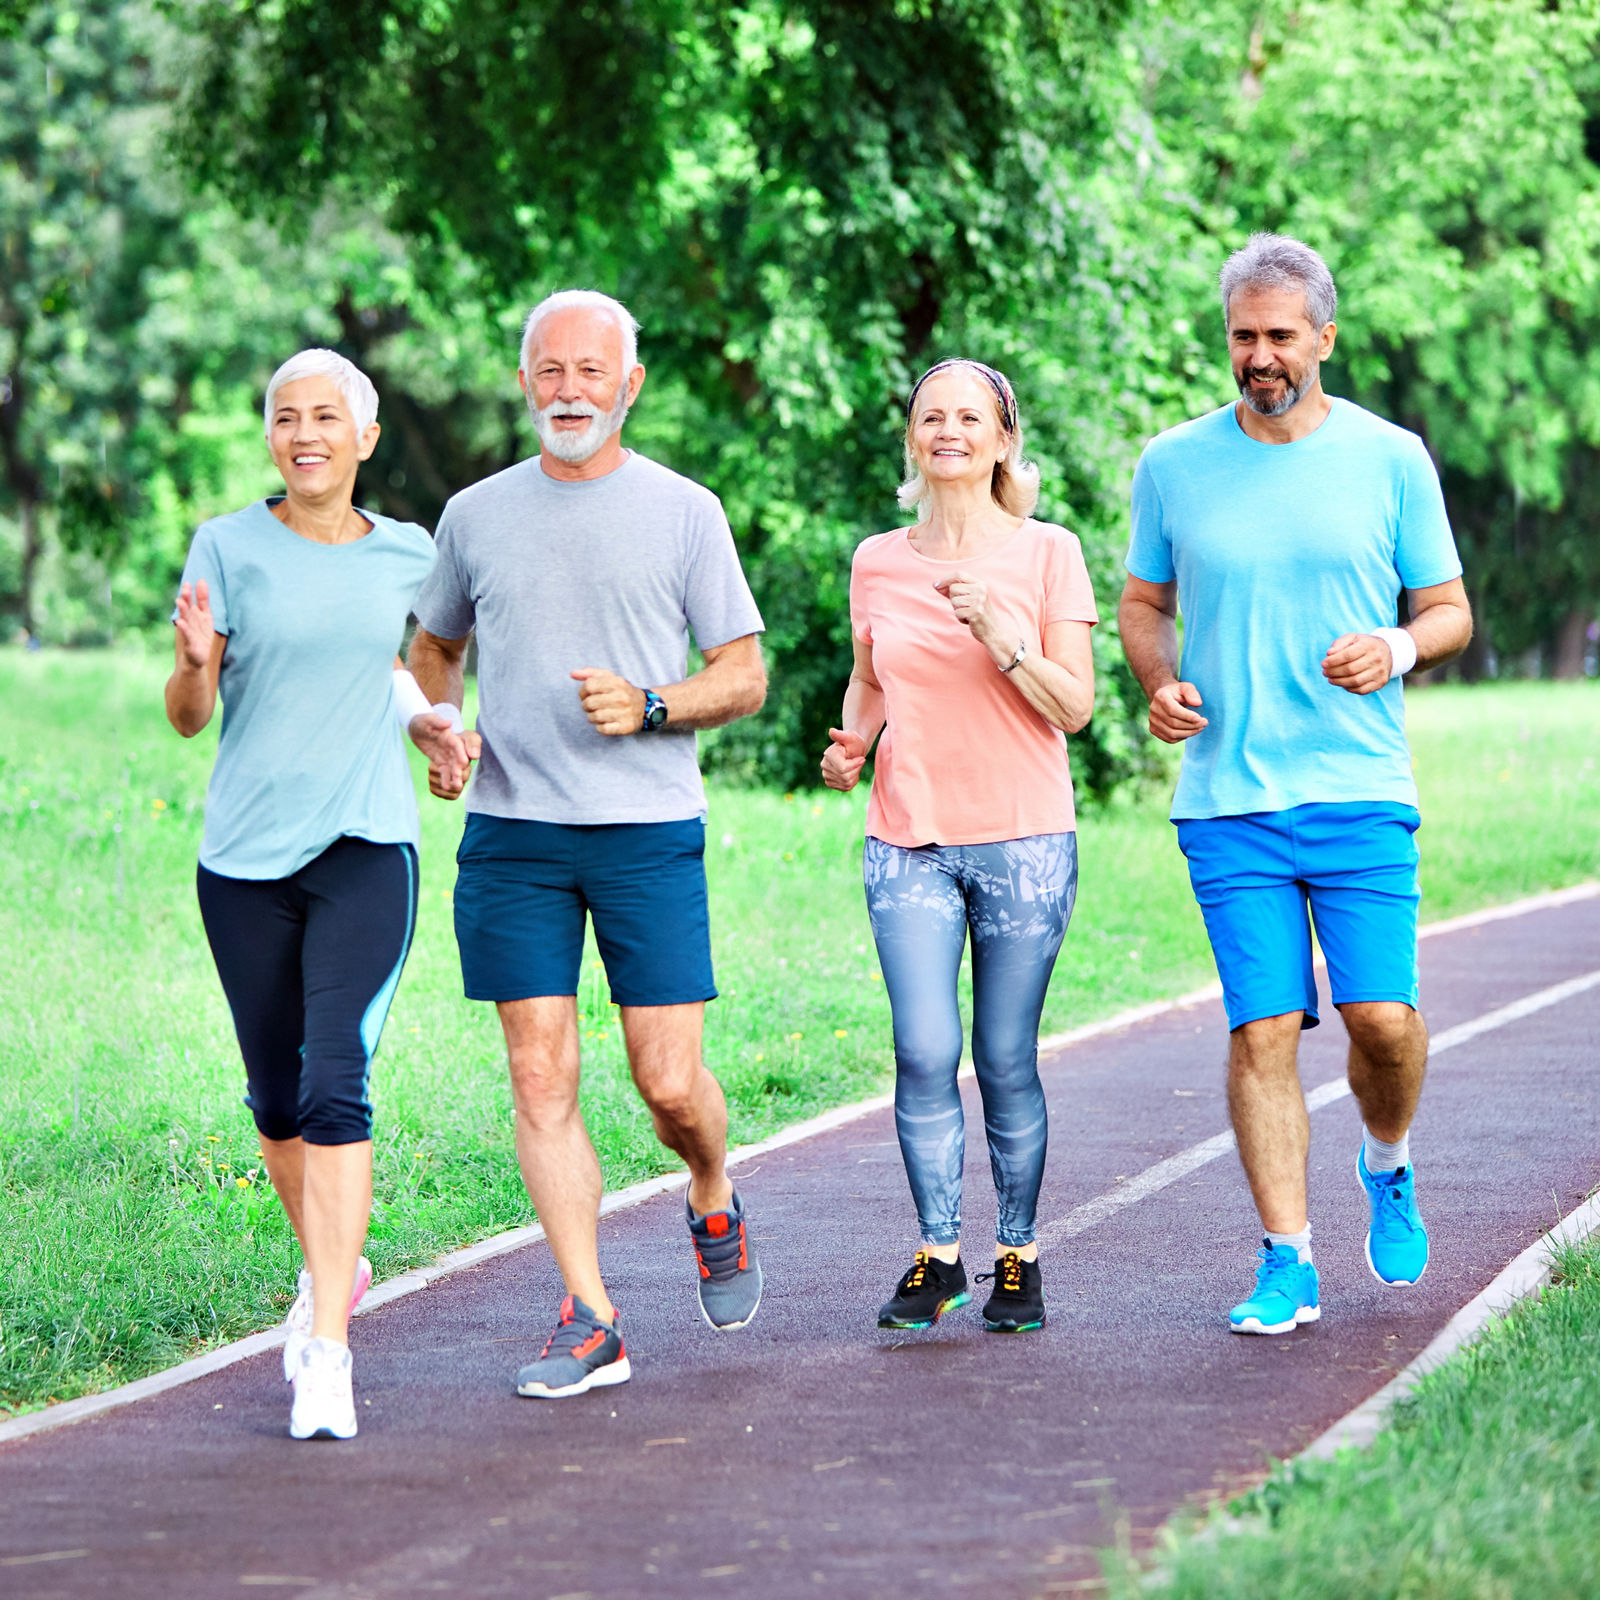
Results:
812 1453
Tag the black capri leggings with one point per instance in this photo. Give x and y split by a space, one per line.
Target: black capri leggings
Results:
309 964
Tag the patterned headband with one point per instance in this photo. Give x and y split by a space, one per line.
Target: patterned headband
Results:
996 381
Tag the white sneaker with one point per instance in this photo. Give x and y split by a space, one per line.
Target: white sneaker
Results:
298 1322
324 1406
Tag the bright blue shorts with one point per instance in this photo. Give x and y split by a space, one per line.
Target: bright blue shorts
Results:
523 889
1355 863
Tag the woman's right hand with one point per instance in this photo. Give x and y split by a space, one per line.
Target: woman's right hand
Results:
194 624
844 759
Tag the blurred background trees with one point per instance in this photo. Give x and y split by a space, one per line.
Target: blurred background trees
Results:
804 202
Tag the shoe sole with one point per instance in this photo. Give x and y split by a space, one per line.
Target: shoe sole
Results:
1393 1283
326 1431
1256 1325
750 1316
952 1304
601 1378
1012 1327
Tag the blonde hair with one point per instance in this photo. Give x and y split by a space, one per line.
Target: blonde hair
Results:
1014 485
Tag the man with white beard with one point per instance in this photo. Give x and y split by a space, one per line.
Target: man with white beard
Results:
582 573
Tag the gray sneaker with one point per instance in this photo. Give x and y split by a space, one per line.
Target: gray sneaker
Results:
730 1275
583 1353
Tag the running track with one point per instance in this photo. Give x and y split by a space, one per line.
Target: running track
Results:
812 1454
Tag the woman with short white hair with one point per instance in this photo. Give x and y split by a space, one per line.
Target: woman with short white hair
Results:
292 610
972 657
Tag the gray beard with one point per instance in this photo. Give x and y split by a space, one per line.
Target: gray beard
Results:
1293 394
576 448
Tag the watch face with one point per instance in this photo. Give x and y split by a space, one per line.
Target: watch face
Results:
655 711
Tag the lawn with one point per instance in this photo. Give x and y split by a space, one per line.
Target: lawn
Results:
135 1222
1486 1486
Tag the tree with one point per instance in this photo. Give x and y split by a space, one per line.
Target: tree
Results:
804 202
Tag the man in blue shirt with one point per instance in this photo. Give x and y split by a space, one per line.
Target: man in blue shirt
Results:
1286 525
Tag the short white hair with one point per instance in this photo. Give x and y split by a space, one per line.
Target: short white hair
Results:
354 386
1275 261
584 300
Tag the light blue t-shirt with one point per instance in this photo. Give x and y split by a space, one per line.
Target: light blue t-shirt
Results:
311 749
1278 549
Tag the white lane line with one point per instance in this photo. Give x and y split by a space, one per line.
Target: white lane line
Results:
1165 1173
1528 1273
408 1283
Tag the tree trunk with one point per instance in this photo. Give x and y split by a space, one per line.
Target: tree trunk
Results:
30 563
1572 643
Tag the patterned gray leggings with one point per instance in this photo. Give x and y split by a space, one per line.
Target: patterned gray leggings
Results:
1016 896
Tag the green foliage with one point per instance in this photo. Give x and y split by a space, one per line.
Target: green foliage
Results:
805 201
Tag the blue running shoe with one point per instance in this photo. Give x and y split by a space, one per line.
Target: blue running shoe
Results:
1286 1293
1397 1242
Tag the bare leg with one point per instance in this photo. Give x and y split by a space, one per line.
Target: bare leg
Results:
685 1101
286 1165
337 1206
1388 1057
559 1166
1269 1118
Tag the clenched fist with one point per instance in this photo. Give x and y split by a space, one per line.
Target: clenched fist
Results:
843 760
611 703
448 774
1358 662
1172 717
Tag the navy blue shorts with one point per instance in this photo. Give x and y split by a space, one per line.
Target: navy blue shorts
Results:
1353 863
524 887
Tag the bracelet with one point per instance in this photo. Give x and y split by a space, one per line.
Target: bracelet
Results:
1017 658
1402 650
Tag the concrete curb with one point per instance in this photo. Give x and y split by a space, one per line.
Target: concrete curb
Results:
419 1278
1523 1277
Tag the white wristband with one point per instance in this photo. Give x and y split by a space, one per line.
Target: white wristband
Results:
1402 649
409 700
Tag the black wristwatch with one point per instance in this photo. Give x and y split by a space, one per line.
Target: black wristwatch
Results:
655 711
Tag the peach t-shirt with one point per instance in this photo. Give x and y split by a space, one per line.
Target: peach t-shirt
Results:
964 759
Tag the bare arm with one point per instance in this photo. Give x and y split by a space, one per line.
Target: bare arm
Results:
1148 619
438 666
1440 627
732 684
198 648
863 718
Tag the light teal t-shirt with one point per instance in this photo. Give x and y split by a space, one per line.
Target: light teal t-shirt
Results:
1278 549
311 749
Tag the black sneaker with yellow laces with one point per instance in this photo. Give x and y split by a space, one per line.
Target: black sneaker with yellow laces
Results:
1017 1303
929 1289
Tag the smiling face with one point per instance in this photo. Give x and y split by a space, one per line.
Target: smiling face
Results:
314 440
578 393
1277 355
956 434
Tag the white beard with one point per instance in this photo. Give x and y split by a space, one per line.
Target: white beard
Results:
575 448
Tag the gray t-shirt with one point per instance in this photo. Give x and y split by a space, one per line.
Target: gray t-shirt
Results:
612 572
311 749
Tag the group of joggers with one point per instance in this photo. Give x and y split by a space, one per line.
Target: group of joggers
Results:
1287 525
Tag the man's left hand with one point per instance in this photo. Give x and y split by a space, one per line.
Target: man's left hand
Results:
1358 662
611 703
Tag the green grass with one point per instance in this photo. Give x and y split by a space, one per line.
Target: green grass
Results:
1486 1486
135 1222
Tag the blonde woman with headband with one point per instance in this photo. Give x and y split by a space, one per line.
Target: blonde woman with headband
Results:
292 610
972 659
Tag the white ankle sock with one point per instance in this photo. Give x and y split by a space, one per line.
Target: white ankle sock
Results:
1381 1157
1300 1242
